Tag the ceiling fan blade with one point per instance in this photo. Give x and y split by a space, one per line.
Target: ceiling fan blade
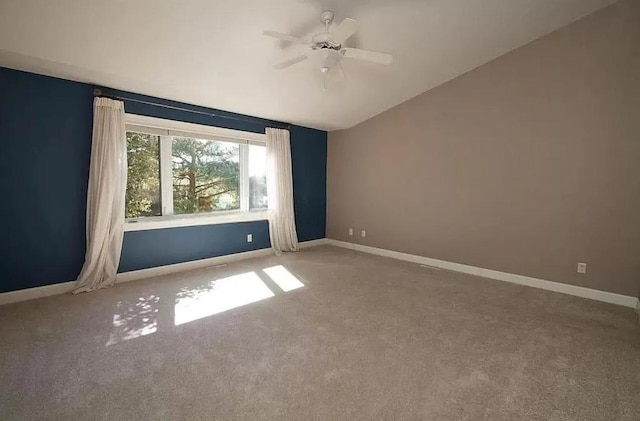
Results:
345 30
290 62
284 37
366 55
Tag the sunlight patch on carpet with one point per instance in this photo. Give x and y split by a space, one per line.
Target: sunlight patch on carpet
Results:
219 295
134 319
283 278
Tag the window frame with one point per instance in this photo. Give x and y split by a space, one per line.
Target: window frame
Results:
166 130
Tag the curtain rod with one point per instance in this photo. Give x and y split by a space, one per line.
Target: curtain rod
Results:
98 92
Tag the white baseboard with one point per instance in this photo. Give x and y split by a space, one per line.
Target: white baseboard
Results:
134 275
313 243
593 294
203 263
608 297
64 287
37 292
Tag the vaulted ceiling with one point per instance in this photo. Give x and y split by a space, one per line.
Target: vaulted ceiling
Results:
213 53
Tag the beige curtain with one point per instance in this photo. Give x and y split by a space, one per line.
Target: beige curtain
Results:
105 197
282 221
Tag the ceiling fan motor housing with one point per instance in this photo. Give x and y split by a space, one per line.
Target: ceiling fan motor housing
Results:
323 41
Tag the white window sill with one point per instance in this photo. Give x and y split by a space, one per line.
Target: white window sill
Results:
159 222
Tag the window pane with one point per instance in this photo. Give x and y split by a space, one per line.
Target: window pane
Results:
143 175
206 175
257 177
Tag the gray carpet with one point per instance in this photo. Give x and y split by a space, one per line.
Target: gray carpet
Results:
364 338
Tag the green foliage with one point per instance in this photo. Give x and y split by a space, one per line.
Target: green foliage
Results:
205 176
143 176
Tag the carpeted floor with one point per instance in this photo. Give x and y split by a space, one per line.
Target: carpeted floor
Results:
353 337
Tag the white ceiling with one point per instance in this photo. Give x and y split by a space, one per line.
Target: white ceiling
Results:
213 53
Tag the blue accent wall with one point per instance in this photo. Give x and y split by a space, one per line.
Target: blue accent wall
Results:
145 249
45 130
309 168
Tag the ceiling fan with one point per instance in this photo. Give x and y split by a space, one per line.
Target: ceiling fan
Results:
331 45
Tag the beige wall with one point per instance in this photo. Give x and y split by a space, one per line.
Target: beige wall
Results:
528 164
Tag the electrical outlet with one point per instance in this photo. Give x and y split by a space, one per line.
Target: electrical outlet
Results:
582 268
249 238
350 231
364 233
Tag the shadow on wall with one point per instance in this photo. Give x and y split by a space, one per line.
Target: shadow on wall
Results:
203 297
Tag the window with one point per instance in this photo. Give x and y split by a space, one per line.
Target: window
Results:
206 175
143 175
187 174
257 177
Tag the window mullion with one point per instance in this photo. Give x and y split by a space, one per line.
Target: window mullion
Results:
166 175
244 177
